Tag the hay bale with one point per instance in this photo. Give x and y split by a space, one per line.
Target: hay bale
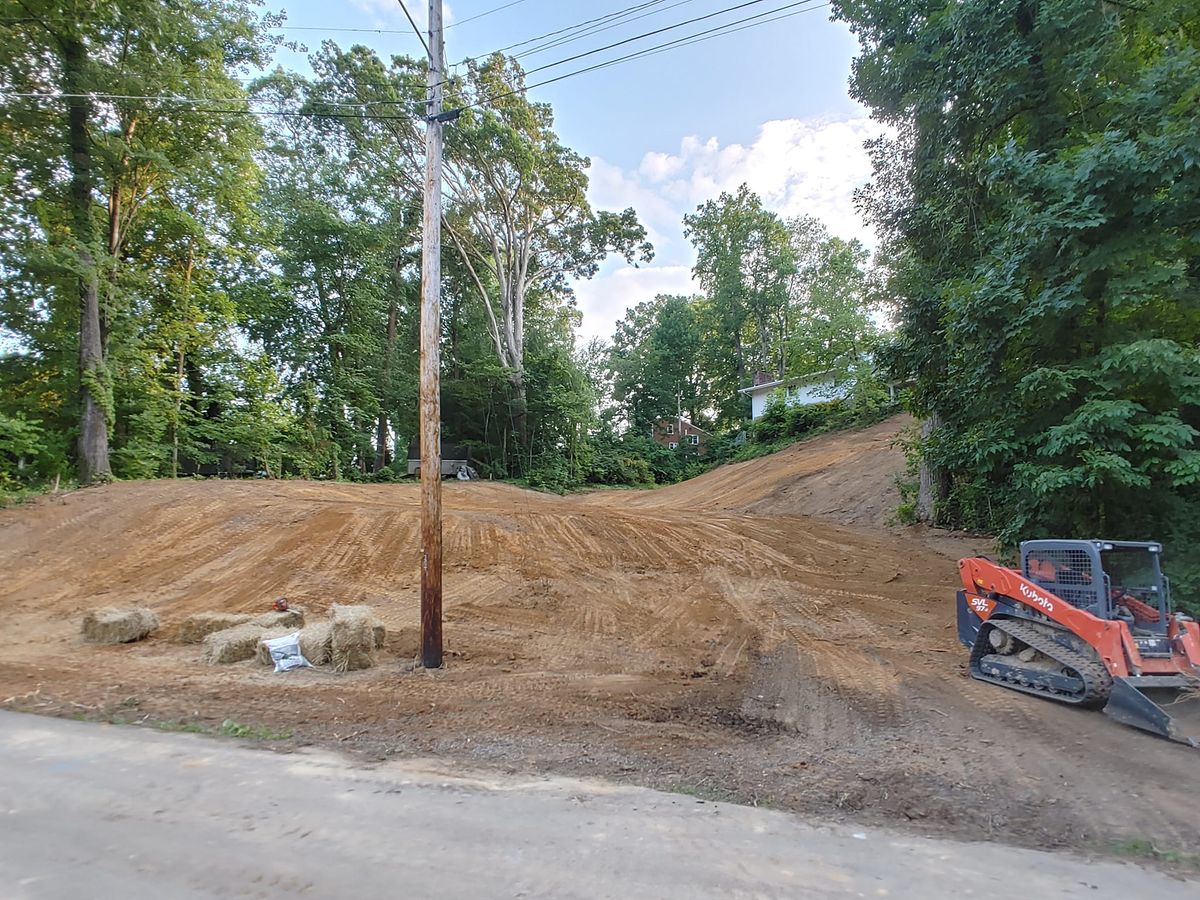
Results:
289 618
316 642
118 626
196 628
315 645
352 637
234 644
262 655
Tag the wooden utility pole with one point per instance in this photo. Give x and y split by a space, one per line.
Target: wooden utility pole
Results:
431 332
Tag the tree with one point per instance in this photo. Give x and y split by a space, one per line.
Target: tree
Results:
656 362
744 263
1039 209
831 327
94 148
519 217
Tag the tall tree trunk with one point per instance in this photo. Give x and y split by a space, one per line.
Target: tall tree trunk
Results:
180 358
94 384
929 486
519 406
382 455
178 411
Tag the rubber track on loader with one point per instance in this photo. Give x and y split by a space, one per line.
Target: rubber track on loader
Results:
1097 683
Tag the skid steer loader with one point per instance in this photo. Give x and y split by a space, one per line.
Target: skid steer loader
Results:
1088 623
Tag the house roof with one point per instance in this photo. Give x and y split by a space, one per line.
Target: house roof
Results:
795 379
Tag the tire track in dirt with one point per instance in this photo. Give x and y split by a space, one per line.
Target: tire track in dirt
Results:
711 633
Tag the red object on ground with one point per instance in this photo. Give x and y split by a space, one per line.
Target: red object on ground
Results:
281 604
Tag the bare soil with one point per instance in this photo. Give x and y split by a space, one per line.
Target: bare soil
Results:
757 634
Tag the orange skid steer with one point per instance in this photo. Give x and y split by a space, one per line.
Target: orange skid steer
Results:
1088 623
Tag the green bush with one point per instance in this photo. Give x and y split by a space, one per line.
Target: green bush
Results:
634 470
22 451
773 423
809 417
550 473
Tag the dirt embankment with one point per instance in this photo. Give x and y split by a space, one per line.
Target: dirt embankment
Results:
755 634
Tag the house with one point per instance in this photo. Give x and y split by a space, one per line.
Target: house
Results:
677 430
799 390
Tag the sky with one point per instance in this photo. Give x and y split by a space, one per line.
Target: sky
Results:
768 106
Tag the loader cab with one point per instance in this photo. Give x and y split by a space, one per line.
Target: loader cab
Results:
1109 579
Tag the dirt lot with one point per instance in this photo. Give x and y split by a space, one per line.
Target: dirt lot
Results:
757 634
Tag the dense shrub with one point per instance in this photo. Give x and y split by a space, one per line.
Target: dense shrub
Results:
23 451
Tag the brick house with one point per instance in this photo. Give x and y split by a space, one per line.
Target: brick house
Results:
676 431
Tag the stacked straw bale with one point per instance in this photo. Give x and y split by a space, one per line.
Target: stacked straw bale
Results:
237 643
352 637
195 628
118 626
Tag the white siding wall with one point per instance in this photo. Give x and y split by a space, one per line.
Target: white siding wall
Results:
800 395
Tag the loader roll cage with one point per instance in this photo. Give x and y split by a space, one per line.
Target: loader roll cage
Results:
1104 578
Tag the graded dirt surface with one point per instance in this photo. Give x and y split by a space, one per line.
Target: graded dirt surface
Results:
756 634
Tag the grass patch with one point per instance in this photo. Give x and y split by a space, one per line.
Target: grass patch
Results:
1143 849
700 792
16 495
228 728
184 727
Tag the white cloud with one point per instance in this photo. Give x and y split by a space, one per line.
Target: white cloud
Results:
658 166
798 167
617 287
612 189
388 14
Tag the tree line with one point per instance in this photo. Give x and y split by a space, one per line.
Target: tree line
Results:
212 271
1038 203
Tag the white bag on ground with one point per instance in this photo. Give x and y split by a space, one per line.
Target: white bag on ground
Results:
285 652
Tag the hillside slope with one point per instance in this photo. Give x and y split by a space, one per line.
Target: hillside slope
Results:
718 636
846 476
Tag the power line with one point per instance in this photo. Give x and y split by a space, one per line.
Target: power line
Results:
415 29
719 31
196 101
638 37
482 14
579 25
704 36
580 30
330 28
600 27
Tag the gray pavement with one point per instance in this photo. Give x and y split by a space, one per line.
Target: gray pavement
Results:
101 811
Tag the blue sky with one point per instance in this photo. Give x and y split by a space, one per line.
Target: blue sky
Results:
767 105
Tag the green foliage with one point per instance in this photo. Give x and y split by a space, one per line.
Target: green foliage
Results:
550 473
257 278
1039 207
745 262
831 309
23 451
773 423
154 210
781 420
657 365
